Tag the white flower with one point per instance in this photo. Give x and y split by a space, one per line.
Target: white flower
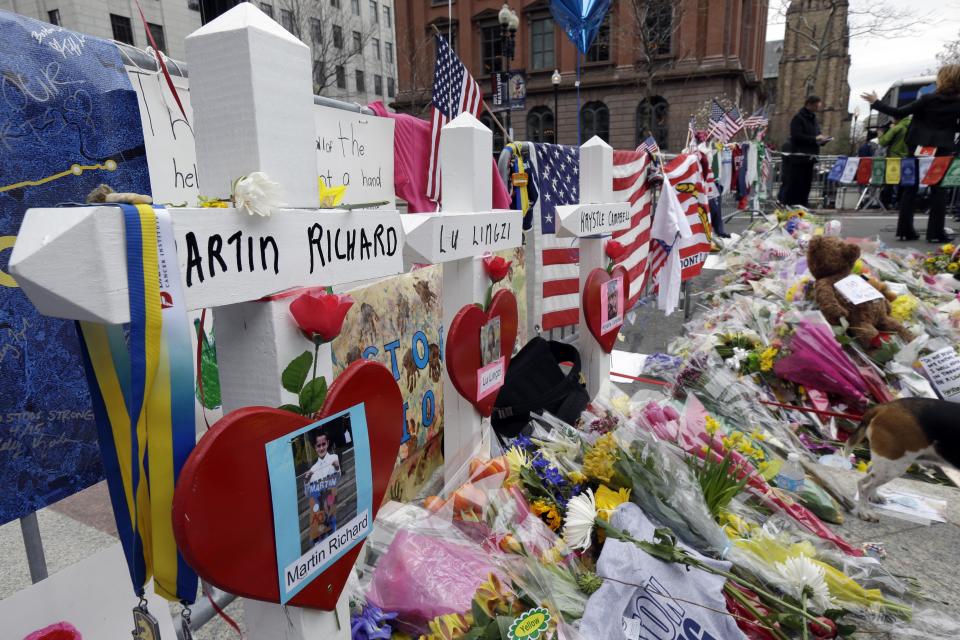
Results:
257 193
580 519
801 574
739 355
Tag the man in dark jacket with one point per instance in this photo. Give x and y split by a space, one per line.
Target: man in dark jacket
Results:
805 141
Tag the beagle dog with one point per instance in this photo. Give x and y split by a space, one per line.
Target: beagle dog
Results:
900 433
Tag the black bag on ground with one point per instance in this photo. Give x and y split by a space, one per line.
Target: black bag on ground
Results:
535 383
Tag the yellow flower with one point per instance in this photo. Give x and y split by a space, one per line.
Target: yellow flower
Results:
711 425
862 466
903 307
598 460
577 477
704 449
548 511
858 267
516 460
450 626
767 358
212 203
492 596
330 196
608 500
757 435
948 249
953 267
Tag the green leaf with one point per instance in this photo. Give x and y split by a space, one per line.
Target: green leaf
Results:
312 395
296 372
480 616
292 408
209 375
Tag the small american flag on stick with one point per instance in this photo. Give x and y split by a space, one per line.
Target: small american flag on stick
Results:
454 92
718 124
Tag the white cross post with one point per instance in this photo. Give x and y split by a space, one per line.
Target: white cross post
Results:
592 221
465 229
253 107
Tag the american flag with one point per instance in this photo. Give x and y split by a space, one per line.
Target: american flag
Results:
649 145
718 125
684 173
630 184
454 92
758 119
556 171
734 121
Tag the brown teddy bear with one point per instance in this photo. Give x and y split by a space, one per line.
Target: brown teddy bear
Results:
830 260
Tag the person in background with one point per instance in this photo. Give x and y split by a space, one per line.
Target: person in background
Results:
894 140
935 124
805 142
866 149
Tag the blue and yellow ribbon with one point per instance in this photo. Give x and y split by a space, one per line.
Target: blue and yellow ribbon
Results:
142 391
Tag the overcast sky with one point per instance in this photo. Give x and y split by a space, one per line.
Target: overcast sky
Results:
877 63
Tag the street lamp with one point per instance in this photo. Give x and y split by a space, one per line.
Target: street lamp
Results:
556 78
509 22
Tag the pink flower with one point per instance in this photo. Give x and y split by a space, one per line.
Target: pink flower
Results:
56 631
320 315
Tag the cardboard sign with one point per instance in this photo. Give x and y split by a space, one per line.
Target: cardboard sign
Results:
943 369
857 290
593 219
356 151
611 305
321 488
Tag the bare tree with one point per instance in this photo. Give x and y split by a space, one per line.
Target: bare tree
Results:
330 33
950 54
418 52
651 34
846 19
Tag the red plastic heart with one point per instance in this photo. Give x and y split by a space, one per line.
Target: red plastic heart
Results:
222 511
593 294
462 351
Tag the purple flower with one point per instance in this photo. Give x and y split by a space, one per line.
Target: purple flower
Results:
371 624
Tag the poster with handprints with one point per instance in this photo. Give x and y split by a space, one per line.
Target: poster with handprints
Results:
68 122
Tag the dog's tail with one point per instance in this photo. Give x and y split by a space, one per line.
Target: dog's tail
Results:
860 434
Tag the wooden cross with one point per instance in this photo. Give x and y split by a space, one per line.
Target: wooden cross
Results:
592 221
456 237
253 107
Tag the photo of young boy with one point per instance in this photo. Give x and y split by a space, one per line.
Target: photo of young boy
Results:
321 488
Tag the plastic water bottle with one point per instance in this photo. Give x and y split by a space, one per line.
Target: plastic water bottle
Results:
791 474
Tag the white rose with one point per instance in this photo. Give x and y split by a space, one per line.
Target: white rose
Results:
257 193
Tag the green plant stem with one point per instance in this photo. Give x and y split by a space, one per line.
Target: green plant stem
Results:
745 602
316 356
488 298
803 605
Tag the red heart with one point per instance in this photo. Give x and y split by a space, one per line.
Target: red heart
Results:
222 511
592 295
463 345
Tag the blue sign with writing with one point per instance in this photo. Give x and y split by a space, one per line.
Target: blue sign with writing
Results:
69 121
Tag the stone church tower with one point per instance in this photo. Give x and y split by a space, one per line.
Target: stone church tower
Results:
814 26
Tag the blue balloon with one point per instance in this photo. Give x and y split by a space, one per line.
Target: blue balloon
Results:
581 19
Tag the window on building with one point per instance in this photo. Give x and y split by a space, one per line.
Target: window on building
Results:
387 17
487 120
355 7
595 121
542 42
374 11
267 8
53 16
491 50
446 29
391 88
390 52
286 19
652 120
357 42
319 71
378 85
599 51
156 31
122 31
335 4
376 48
540 125
361 81
341 77
659 26
316 31
337 36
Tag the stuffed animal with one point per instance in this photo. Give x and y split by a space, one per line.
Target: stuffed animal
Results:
830 260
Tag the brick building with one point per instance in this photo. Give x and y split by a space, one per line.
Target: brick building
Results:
702 49
815 25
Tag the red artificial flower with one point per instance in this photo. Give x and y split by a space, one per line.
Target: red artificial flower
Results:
614 250
57 631
496 267
879 340
823 628
320 315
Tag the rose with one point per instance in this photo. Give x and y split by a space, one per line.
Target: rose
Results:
496 267
320 315
614 250
257 193
823 628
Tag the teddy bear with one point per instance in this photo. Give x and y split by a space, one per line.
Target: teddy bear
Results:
830 260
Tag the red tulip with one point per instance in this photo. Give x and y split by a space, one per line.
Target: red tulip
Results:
320 315
614 250
496 267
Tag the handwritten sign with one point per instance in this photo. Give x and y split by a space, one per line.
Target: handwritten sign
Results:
356 151
857 290
582 220
943 369
434 238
